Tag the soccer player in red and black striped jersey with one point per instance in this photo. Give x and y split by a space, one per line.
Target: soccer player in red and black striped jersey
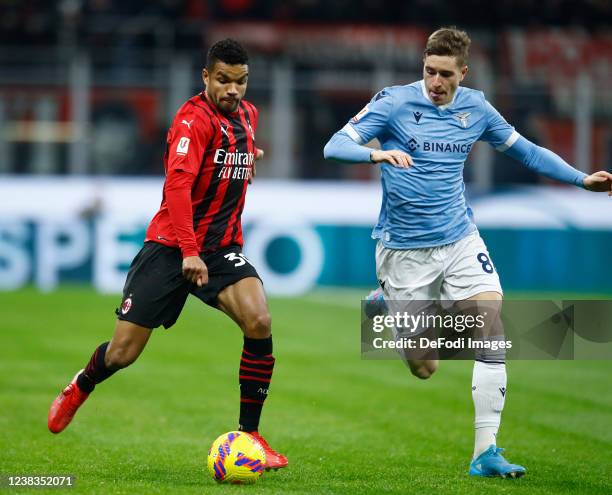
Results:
193 245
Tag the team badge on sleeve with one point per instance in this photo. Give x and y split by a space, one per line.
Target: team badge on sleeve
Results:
361 113
183 146
126 306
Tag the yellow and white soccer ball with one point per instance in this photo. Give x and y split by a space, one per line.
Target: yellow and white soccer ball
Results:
236 457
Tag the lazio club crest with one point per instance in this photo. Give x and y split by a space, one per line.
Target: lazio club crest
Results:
463 118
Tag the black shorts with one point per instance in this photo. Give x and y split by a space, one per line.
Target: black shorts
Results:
155 290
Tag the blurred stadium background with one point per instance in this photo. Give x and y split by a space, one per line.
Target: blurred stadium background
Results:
88 89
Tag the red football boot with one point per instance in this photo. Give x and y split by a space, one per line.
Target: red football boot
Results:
65 406
274 460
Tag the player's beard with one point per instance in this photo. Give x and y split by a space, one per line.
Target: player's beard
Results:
228 106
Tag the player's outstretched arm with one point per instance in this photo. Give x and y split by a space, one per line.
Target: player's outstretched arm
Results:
342 148
543 161
599 182
551 165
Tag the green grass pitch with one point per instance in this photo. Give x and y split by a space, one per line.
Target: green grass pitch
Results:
347 425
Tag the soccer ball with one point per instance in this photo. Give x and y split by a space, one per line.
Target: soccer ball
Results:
236 457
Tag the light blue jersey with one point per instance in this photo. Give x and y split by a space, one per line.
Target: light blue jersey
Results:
424 205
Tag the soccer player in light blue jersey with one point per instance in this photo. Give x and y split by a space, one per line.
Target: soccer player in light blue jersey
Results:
428 245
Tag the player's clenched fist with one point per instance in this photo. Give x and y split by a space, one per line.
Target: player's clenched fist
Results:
396 158
599 182
194 270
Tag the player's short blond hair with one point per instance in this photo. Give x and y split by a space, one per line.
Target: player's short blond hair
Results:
451 42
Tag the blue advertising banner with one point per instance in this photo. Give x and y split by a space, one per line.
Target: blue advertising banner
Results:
298 235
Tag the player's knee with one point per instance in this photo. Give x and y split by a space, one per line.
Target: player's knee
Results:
259 326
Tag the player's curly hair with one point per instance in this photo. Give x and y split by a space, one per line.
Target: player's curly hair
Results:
451 42
228 51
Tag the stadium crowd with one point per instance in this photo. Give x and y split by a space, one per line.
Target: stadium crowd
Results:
38 22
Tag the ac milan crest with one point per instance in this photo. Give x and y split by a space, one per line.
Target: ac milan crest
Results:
127 304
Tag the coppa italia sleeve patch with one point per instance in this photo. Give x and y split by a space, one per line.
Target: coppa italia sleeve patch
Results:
183 146
361 113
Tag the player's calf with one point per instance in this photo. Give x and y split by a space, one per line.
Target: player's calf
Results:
119 357
127 343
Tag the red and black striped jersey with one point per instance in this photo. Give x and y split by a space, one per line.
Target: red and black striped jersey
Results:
209 162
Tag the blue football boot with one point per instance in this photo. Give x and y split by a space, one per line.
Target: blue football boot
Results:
375 304
491 463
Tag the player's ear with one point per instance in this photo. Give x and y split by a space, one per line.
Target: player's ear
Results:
464 71
205 76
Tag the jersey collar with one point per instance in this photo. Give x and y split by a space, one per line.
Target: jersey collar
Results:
439 107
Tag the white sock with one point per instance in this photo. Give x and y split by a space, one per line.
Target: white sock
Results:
489 394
